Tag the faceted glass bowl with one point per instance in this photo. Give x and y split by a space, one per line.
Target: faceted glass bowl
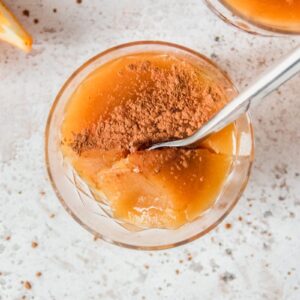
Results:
79 200
234 18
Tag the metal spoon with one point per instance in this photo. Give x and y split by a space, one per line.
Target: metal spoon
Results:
267 82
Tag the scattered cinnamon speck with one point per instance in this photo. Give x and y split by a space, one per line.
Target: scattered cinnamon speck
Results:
24 297
34 244
96 237
228 226
180 261
42 193
36 21
49 30
190 257
146 267
240 218
54 10
177 271
267 214
38 274
227 277
52 216
261 62
292 214
214 56
228 251
79 1
27 285
26 12
8 238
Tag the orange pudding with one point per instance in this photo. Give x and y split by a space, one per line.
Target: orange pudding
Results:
134 101
283 15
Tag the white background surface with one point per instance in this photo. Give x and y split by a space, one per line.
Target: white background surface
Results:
258 258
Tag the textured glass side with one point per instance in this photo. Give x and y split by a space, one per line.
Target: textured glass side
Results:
79 200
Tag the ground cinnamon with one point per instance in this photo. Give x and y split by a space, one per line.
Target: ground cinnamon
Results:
171 104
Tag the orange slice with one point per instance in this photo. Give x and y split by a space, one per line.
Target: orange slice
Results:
12 31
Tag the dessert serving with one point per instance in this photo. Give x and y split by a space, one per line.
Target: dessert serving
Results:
266 17
107 116
277 14
127 105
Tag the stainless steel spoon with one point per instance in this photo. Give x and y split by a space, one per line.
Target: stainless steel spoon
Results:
267 82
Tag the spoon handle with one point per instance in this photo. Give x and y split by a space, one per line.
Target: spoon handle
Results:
267 82
273 77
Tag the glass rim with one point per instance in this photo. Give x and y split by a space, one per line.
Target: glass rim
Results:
257 28
60 197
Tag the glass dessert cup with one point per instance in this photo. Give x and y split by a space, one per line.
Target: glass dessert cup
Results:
96 216
233 17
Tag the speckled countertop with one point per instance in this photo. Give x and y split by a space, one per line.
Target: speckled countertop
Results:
257 256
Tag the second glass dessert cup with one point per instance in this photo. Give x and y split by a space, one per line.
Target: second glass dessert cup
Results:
232 16
96 216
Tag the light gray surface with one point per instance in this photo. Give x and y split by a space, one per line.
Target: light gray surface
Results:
258 258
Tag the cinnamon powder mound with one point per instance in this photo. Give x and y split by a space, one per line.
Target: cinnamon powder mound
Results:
168 103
